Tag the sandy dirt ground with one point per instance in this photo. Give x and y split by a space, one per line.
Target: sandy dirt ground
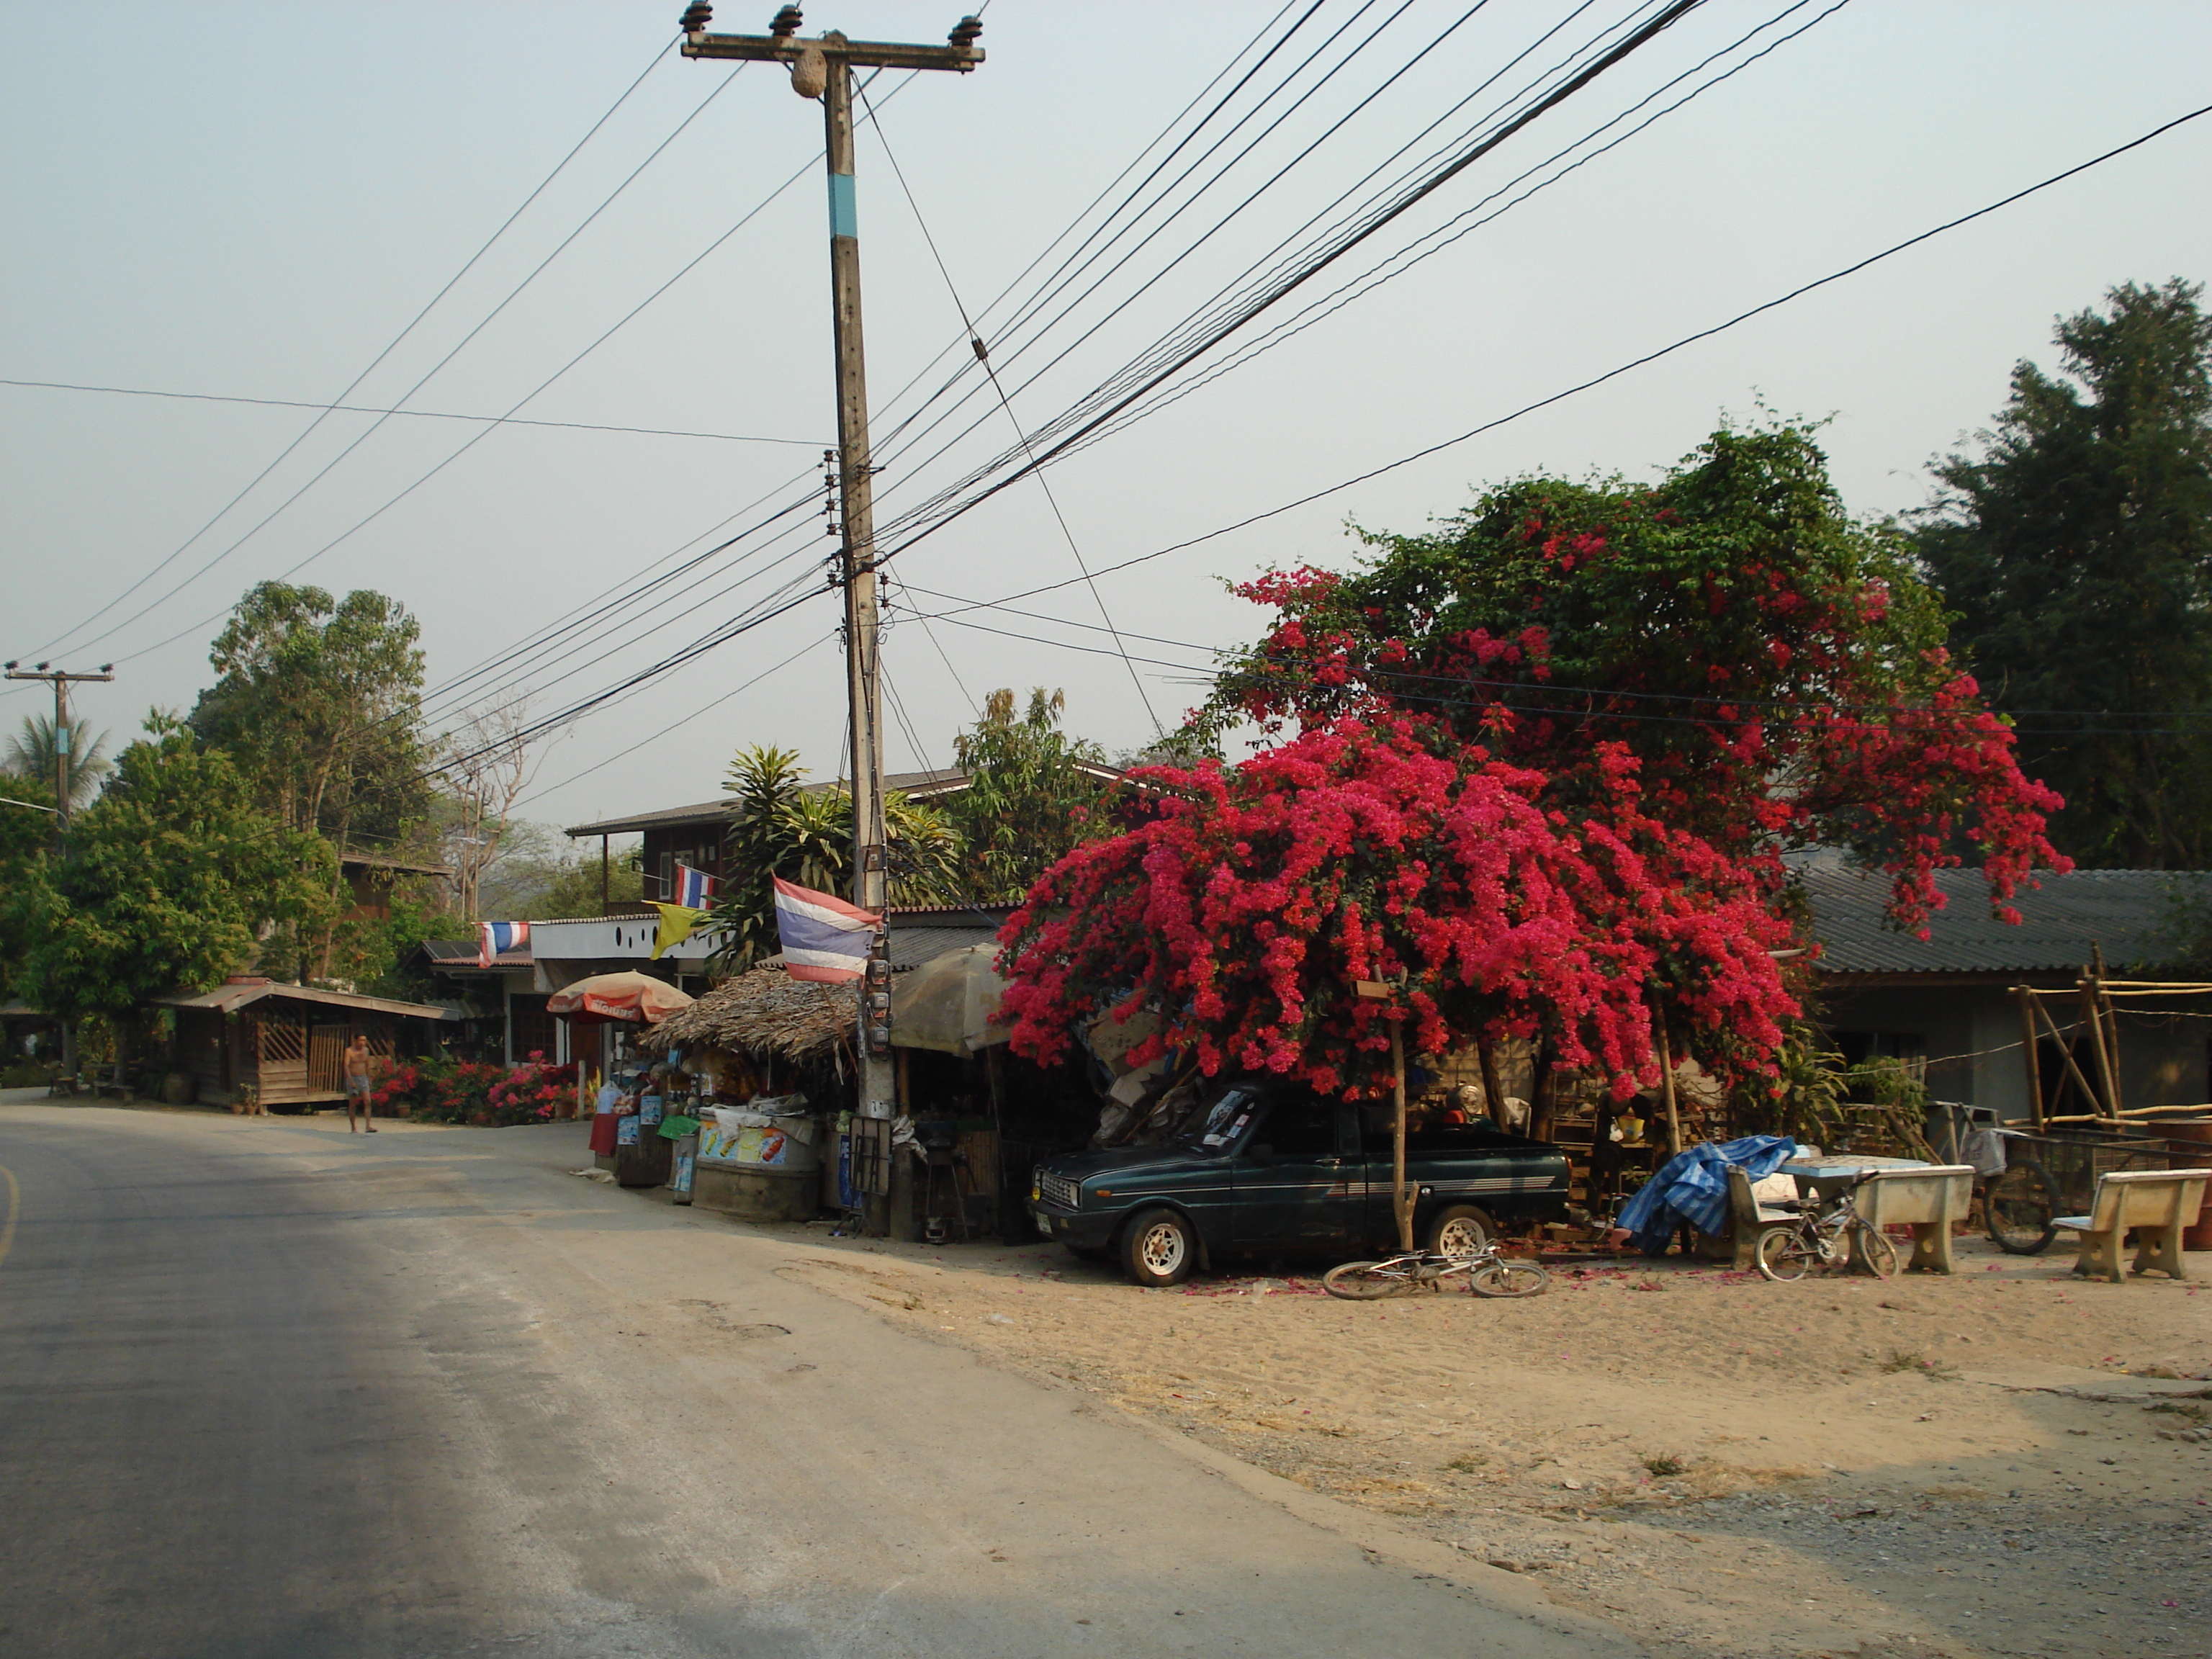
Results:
2012 1461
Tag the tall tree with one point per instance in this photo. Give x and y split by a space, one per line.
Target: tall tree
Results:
173 879
2075 545
1543 762
318 700
32 752
1034 793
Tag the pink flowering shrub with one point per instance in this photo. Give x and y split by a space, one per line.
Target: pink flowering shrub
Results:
1545 762
533 1092
1244 911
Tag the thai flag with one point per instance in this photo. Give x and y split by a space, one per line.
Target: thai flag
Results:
823 938
499 937
694 889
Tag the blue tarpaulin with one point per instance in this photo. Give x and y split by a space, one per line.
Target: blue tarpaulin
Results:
1692 1186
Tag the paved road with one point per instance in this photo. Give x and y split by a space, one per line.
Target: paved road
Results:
266 1389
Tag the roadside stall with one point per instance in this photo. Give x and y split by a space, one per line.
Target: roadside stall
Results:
944 1006
621 1006
764 1063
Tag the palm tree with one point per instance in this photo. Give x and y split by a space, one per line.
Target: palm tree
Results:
31 754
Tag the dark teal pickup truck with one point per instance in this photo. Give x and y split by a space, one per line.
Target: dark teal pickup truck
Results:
1271 1168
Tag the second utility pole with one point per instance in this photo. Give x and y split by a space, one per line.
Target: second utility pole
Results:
823 67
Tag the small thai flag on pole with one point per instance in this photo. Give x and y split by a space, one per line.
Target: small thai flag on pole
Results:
694 889
823 938
499 937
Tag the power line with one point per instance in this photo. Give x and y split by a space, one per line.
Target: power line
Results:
1464 224
983 356
1610 374
378 425
1340 246
417 414
468 266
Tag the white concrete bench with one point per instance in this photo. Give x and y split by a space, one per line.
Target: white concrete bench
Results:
1927 1199
2156 1204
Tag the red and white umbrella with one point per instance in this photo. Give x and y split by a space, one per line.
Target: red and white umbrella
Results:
634 999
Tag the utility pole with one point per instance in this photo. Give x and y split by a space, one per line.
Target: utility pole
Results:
823 67
61 678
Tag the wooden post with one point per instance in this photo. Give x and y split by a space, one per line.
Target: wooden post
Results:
2108 1023
1493 1094
1402 1200
2026 998
2107 1101
1666 1085
2066 1053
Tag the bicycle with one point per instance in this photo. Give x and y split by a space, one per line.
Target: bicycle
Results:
2019 1206
1826 1238
1487 1272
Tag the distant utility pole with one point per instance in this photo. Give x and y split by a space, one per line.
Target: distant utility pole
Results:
823 67
60 679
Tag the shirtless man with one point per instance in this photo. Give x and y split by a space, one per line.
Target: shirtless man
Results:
357 1082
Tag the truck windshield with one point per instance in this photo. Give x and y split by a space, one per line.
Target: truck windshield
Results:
1223 1121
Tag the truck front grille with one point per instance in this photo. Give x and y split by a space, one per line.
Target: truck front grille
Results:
1058 1191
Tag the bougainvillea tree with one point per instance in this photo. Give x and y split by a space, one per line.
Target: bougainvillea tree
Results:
1545 763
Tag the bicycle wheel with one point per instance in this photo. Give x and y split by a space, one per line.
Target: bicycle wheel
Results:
1501 1278
1368 1281
1871 1245
1784 1256
2019 1206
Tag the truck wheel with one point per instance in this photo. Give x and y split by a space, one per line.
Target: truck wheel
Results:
1158 1249
1461 1230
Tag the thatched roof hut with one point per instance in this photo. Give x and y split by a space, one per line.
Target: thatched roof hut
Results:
764 1011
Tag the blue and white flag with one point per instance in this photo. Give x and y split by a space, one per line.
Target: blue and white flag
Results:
823 938
694 889
499 937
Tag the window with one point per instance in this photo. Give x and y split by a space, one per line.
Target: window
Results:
1302 1126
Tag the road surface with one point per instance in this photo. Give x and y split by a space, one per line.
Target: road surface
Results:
269 1389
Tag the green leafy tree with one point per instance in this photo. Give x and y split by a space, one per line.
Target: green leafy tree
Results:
32 751
26 835
782 827
319 702
173 879
1033 793
2077 547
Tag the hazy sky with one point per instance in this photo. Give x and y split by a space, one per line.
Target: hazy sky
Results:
252 201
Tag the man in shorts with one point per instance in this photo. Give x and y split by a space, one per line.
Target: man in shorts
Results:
357 1082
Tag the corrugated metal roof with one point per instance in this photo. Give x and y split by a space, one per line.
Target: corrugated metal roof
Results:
920 786
238 994
465 952
2129 913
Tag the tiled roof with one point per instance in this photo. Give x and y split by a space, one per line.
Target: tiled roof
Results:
2129 913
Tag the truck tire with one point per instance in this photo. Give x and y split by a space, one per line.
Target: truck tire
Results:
1461 1229
1158 1249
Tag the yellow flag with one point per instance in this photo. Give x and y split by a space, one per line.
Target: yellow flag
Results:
678 923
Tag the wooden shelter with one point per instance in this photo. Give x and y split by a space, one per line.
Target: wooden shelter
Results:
255 1042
